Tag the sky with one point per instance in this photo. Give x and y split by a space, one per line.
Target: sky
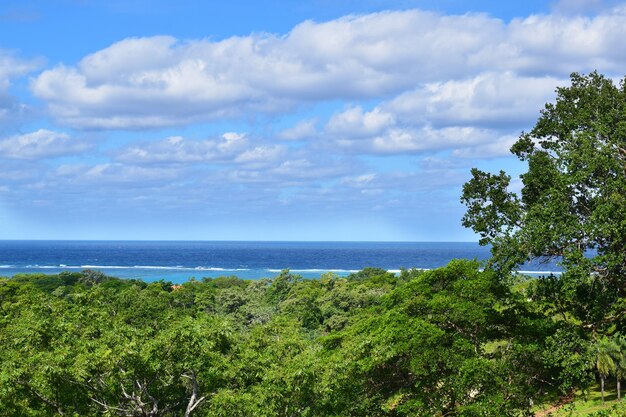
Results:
323 120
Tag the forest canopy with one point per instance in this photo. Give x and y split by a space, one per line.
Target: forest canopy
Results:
452 341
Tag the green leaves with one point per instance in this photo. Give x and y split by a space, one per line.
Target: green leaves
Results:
493 211
451 341
606 351
440 344
572 200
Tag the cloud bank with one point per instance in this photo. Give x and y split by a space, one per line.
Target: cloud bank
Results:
377 113
162 81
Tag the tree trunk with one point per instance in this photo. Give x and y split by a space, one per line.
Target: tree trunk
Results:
195 399
619 390
602 387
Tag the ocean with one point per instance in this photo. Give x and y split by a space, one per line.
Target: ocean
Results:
178 261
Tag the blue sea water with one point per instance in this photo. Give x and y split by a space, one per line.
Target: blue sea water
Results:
179 261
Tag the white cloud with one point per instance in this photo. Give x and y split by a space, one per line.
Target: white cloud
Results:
378 132
159 81
426 139
557 44
144 82
497 147
260 154
304 129
230 147
444 90
357 123
471 117
40 144
488 99
177 149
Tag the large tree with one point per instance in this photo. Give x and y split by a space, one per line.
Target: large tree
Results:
572 203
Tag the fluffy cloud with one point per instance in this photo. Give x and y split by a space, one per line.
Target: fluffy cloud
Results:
474 117
489 99
158 81
380 132
357 123
40 144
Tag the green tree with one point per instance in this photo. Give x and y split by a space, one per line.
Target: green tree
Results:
619 358
119 351
569 358
572 201
605 350
452 341
449 342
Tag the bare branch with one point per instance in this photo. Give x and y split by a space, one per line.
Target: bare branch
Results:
194 401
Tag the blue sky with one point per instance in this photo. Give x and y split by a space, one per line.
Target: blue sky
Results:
275 120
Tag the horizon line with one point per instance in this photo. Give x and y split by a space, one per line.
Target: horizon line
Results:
237 240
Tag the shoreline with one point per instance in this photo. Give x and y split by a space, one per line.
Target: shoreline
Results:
181 274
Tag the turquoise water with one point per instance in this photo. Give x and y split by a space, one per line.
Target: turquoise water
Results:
180 261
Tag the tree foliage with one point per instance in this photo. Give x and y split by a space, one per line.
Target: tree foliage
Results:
454 341
572 203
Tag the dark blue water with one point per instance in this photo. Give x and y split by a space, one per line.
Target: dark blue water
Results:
180 261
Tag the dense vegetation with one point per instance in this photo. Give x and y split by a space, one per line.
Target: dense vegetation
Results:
572 202
457 341
572 205
453 341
